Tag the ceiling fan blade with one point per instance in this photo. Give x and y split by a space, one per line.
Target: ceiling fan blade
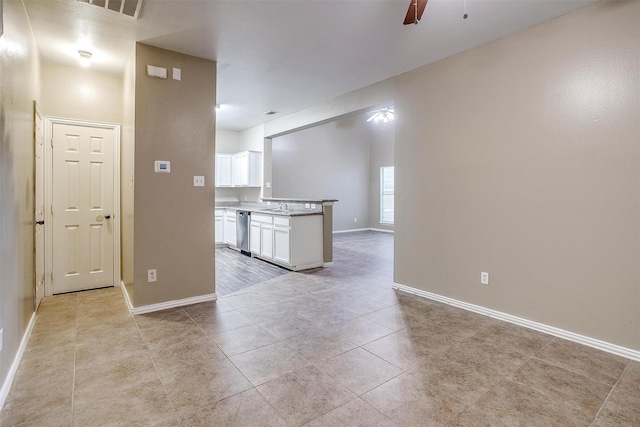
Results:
414 14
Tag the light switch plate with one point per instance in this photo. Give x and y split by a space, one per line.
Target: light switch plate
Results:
177 74
268 184
198 181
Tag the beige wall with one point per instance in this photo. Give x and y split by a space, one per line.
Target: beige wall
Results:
330 161
173 225
19 87
82 94
520 158
127 158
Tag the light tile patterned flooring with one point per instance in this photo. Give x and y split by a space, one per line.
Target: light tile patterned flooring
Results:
331 347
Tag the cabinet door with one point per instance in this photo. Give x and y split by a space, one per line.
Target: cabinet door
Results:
254 169
230 231
219 230
266 243
282 244
254 238
223 170
240 170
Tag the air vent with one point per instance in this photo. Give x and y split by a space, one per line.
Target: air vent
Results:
125 7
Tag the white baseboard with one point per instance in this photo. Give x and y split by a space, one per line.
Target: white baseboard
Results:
551 330
355 230
4 392
381 230
167 304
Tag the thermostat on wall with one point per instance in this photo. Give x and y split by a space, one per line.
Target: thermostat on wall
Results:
162 166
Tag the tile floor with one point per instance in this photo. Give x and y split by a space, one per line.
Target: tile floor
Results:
330 347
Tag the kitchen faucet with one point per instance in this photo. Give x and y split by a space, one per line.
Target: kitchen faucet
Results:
284 207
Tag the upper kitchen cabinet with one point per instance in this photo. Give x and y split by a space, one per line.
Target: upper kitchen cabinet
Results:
223 170
246 169
242 169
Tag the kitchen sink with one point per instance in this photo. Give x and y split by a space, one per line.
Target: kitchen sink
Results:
277 210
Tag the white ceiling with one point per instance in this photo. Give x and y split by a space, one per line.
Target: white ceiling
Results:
284 55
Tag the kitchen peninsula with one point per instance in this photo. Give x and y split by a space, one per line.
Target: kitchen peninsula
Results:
296 234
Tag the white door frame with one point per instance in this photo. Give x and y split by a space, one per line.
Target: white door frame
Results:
38 116
48 201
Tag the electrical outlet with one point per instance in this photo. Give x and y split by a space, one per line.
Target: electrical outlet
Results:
1 338
307 205
484 278
313 205
355 219
152 275
198 181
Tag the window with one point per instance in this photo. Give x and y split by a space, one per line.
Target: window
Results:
386 195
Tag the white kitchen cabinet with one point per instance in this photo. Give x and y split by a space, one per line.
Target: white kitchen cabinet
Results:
223 170
219 228
246 169
261 235
266 240
230 228
294 242
254 237
282 244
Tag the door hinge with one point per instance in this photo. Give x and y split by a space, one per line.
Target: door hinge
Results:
52 276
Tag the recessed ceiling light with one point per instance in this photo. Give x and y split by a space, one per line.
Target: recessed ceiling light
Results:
270 113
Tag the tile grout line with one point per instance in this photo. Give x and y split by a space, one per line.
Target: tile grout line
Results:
606 399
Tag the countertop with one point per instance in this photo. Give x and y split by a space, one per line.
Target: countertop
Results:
271 211
292 200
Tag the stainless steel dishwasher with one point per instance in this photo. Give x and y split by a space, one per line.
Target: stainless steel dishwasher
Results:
242 231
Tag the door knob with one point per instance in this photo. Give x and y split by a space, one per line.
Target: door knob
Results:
40 222
107 216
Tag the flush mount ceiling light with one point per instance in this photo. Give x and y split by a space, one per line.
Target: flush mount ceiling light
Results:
383 115
85 57
270 113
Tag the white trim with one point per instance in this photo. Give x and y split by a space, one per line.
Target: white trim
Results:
327 264
167 304
48 191
381 230
552 330
4 392
362 229
351 231
126 296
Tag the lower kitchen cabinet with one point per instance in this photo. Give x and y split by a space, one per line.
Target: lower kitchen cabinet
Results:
293 242
230 228
282 244
219 228
266 240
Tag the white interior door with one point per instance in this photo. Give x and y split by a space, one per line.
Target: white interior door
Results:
82 207
39 206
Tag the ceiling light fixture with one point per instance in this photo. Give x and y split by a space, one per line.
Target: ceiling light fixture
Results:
270 113
383 115
85 57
